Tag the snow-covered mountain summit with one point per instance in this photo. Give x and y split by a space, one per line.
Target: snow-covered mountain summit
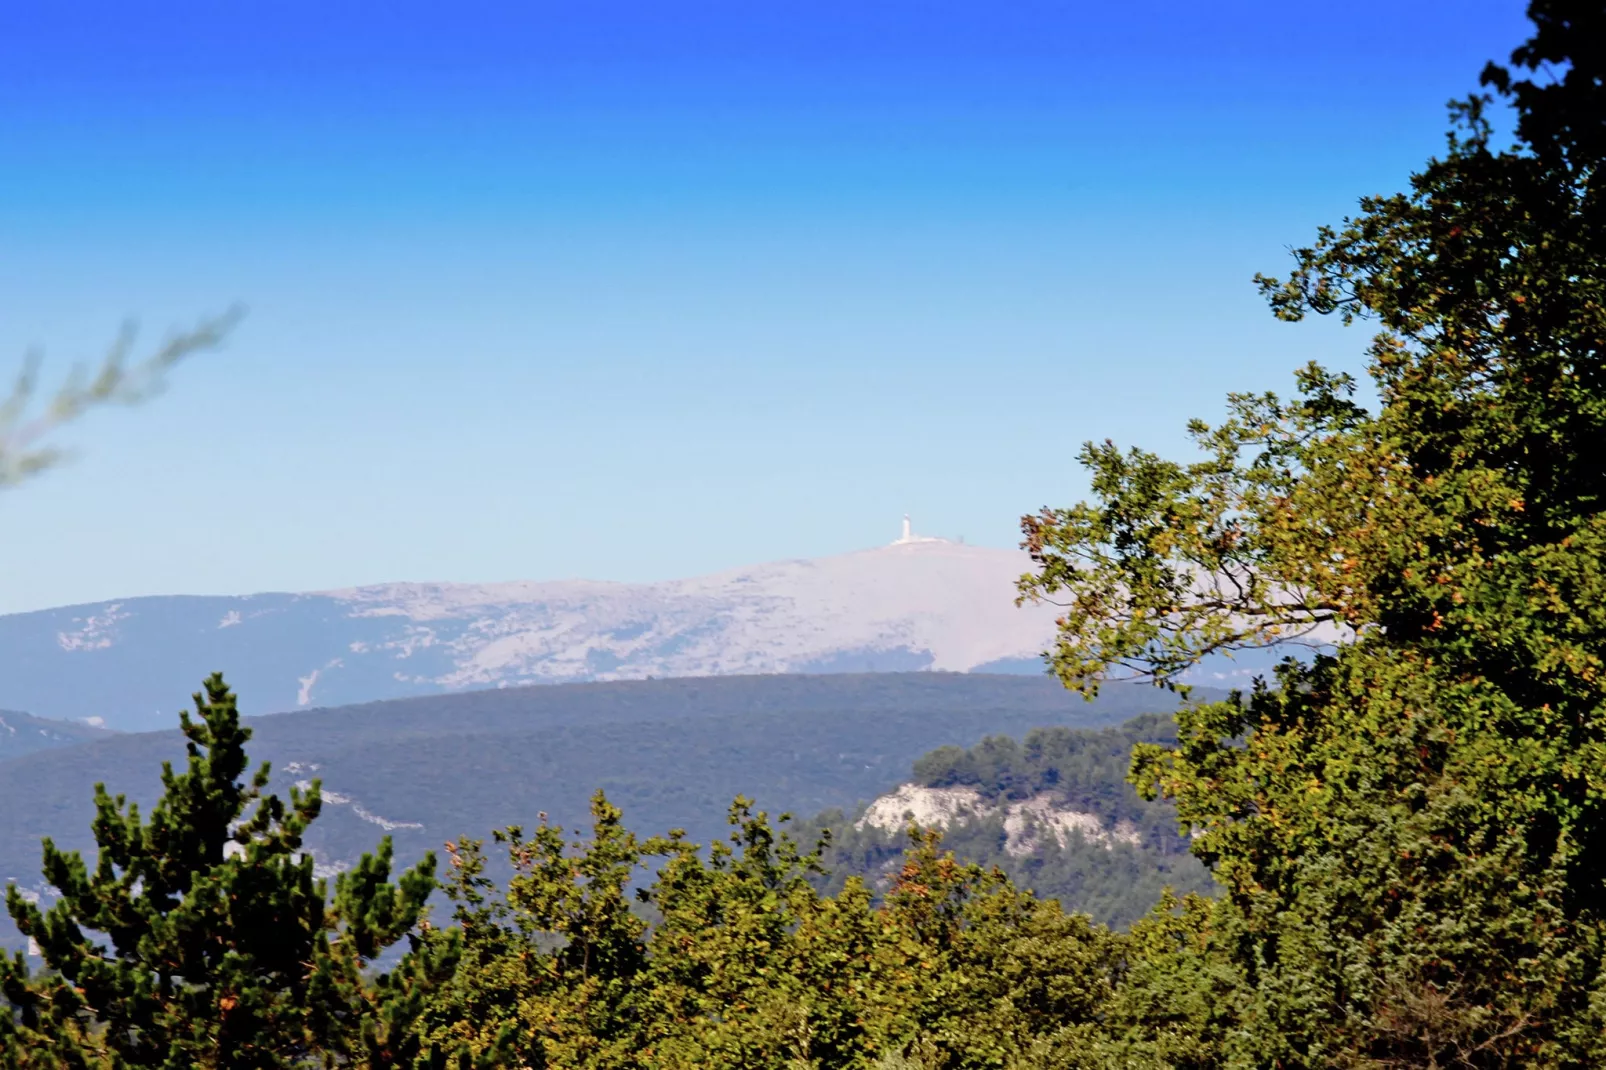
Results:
917 603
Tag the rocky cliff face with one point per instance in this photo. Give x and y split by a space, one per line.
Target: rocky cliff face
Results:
1028 823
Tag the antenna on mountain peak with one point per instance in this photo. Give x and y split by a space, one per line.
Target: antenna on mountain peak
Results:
909 535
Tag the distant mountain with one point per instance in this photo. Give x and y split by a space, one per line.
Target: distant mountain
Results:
672 753
918 603
22 733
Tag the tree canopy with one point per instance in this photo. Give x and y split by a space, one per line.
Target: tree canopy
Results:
202 936
1410 824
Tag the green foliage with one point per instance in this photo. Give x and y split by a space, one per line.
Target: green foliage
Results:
202 936
24 431
1410 829
1085 767
748 964
731 956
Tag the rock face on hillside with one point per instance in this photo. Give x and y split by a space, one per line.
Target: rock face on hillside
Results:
1026 822
915 604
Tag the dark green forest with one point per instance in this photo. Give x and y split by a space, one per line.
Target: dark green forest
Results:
668 752
1407 830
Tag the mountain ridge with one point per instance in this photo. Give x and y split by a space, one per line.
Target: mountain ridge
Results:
915 604
23 733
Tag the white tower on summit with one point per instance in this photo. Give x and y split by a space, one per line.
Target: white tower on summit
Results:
909 535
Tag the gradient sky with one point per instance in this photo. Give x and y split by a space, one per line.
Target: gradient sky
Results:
641 290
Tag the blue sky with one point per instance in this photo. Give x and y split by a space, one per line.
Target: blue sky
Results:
634 291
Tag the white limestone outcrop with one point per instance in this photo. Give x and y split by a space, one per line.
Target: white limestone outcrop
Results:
1026 821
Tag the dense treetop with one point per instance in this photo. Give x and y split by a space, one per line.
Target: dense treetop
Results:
1410 829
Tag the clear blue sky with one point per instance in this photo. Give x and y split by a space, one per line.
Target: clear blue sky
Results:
641 290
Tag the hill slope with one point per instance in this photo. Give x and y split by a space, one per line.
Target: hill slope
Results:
1053 811
922 604
22 733
671 752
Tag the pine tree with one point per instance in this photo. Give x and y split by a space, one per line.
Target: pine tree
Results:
202 937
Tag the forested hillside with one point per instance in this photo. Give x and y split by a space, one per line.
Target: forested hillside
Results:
671 753
1113 867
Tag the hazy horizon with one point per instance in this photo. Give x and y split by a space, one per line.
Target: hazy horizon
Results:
637 293
426 581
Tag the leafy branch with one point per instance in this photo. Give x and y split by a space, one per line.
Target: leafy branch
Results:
120 379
